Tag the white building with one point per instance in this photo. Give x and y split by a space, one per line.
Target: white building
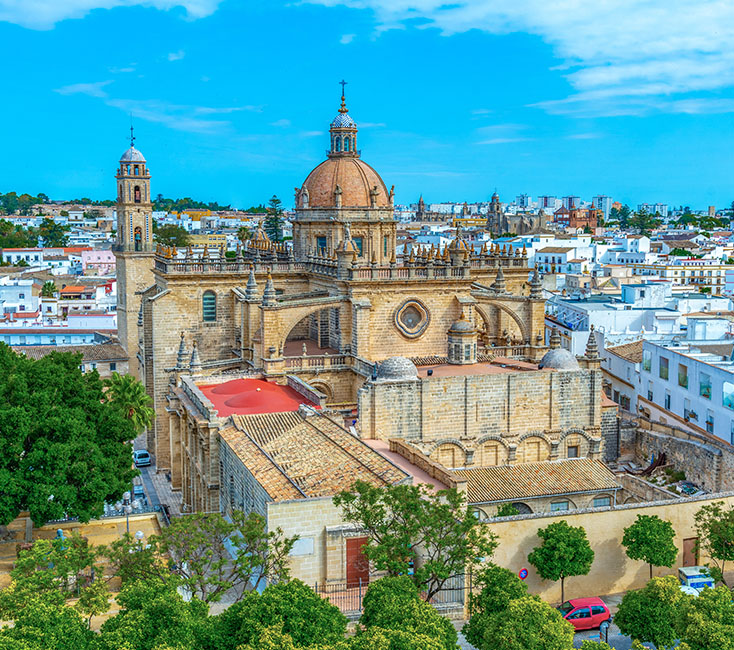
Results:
604 203
690 383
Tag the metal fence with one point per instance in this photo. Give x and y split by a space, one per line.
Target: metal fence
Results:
348 597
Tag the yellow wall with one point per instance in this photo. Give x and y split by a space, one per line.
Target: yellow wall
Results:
612 571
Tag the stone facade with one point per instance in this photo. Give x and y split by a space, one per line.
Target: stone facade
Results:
489 419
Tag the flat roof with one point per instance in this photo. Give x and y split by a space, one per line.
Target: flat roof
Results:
250 396
499 366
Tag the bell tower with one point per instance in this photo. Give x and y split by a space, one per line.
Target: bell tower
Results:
133 247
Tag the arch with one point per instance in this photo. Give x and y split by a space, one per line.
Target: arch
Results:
324 388
522 508
479 513
571 504
534 434
522 326
138 238
209 306
137 194
533 449
444 441
300 314
575 442
449 455
573 431
491 450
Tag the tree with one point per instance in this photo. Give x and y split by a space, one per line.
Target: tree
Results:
52 234
131 560
650 614
595 645
565 552
152 617
497 588
65 448
621 215
243 233
127 395
291 606
643 222
16 236
715 531
708 621
199 546
393 603
376 638
274 220
172 235
651 540
414 529
48 289
528 623
507 510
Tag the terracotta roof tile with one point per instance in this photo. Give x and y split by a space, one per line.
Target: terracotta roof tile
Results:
525 480
100 352
293 456
630 351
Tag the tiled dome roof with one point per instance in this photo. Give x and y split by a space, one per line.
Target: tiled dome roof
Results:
396 369
343 121
132 155
355 178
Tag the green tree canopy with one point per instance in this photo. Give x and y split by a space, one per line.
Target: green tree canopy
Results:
507 510
495 588
127 395
48 289
393 603
715 531
651 614
65 448
171 234
708 621
651 540
291 606
16 236
565 552
273 225
643 222
527 623
199 547
53 234
413 526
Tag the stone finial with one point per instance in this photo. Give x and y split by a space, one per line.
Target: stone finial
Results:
393 260
251 288
592 350
195 363
555 339
269 294
374 257
536 288
181 358
338 196
304 349
499 284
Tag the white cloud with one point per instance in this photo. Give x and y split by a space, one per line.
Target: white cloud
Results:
129 68
503 140
44 14
174 116
371 125
346 39
95 89
583 136
621 57
281 123
311 134
176 56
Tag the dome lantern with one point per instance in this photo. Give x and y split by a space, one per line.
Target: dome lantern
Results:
343 132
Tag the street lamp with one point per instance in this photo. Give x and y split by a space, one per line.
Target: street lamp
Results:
127 508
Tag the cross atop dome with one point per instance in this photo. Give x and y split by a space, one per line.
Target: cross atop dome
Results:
343 132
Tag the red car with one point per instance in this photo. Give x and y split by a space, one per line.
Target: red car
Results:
585 613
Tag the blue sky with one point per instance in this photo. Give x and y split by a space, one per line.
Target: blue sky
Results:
231 99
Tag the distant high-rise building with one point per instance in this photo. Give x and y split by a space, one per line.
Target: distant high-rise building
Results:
523 200
712 211
549 203
604 203
654 208
570 202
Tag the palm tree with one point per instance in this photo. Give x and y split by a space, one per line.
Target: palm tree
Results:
244 233
48 289
128 394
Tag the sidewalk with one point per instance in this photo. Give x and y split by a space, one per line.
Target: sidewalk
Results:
157 486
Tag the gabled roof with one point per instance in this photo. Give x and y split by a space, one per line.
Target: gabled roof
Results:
527 480
94 352
296 456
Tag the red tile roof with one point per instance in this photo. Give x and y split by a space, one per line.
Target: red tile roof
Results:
250 396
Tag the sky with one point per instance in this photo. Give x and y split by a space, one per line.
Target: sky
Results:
231 99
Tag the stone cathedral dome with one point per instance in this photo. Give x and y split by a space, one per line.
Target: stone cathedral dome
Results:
343 179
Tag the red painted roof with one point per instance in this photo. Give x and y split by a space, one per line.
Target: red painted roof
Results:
248 396
74 288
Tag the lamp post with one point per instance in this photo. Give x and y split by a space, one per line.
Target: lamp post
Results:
127 508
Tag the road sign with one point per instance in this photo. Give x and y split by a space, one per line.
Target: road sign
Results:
523 574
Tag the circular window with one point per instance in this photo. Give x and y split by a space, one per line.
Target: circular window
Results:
412 318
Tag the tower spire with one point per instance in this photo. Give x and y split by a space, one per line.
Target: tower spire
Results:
132 135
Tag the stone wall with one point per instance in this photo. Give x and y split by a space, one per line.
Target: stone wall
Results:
706 460
239 490
610 424
554 409
612 571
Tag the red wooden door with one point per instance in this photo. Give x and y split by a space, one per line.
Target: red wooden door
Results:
358 567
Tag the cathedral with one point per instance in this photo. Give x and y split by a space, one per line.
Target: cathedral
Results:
321 314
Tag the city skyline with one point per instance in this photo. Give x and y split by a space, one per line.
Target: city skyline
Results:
229 108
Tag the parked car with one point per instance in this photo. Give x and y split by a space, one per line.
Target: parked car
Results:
139 493
585 613
141 458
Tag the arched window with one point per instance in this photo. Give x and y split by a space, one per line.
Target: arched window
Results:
138 239
209 306
137 194
347 144
135 169
338 144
